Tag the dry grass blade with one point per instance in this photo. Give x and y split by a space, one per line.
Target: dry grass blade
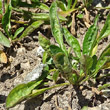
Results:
73 32
86 18
3 57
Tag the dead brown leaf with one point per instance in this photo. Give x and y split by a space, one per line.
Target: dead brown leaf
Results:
3 57
86 18
73 32
95 90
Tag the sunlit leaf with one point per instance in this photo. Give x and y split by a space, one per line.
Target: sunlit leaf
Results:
18 31
90 38
44 42
20 92
104 57
69 4
30 29
56 27
73 42
45 55
86 63
106 29
6 20
40 91
3 57
61 5
55 75
3 40
55 49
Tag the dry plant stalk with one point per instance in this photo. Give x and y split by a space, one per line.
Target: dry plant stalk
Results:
86 18
73 32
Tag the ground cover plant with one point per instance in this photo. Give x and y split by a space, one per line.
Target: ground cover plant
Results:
77 69
66 58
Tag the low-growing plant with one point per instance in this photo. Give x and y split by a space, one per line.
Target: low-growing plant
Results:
78 68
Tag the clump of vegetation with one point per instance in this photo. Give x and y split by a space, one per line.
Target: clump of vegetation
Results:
77 69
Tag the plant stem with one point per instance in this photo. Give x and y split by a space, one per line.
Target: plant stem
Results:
75 2
40 91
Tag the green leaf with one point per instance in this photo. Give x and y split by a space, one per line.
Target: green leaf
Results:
30 29
55 49
85 108
87 3
20 92
59 59
90 38
40 91
6 20
15 2
80 16
55 75
44 42
106 29
3 40
61 5
45 55
18 31
73 42
42 6
41 16
104 86
94 63
1 7
104 57
73 78
56 27
86 63
75 2
69 4
44 16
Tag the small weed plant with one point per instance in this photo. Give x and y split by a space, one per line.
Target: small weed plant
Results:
78 68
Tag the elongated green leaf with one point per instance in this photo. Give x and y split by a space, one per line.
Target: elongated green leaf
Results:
106 52
6 20
55 75
43 6
44 42
59 59
15 2
34 4
55 49
106 65
61 5
62 18
106 29
45 17
105 56
40 91
20 92
56 27
18 31
90 38
3 40
75 2
45 55
86 63
73 42
94 63
104 86
69 4
41 16
30 29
